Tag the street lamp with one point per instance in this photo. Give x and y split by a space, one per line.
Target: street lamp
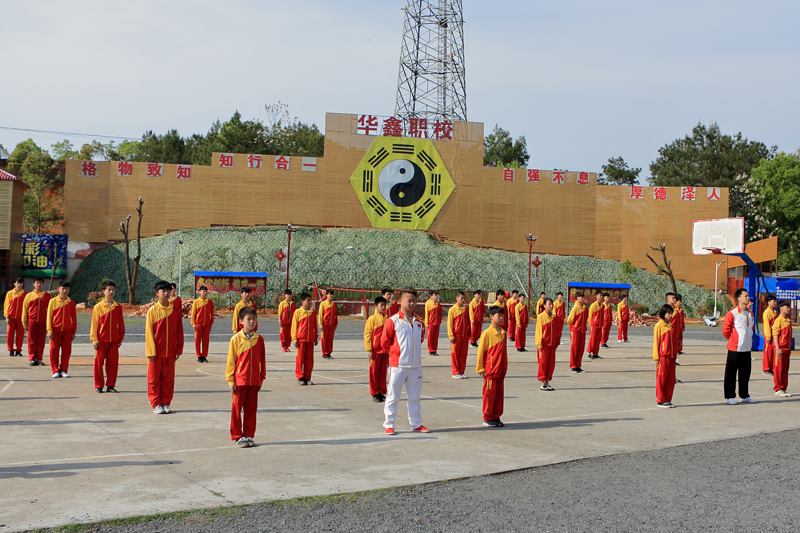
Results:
716 269
531 238
180 266
289 231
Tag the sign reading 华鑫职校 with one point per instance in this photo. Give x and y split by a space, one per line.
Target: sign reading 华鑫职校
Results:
40 252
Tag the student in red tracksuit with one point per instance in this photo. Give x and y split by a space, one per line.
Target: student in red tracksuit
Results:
608 318
174 298
540 303
769 316
107 333
34 319
236 325
163 346
328 320
286 311
62 324
623 315
511 317
522 319
664 355
679 323
392 305
577 321
502 302
433 320
782 335
245 372
492 366
477 309
546 344
595 320
304 337
202 318
458 333
559 316
13 313
378 358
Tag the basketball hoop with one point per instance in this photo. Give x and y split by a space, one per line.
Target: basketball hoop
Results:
714 251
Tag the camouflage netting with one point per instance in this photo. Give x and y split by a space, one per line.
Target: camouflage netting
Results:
359 258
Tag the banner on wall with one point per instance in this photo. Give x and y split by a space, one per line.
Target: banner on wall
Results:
41 251
227 282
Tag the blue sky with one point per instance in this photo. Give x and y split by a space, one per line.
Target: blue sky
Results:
582 81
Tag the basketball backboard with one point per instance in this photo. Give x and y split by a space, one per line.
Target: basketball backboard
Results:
720 236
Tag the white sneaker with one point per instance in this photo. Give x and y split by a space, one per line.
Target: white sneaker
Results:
250 442
159 410
748 400
780 393
463 376
456 376
57 375
242 443
64 375
619 342
787 394
731 401
167 410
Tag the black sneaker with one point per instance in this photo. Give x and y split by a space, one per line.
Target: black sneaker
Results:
578 370
111 389
665 404
681 353
376 398
436 354
498 423
490 423
99 390
512 339
383 398
604 345
523 350
19 354
573 370
677 363
302 382
199 359
12 354
33 363
678 381
40 363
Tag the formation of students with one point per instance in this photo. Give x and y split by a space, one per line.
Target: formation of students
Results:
393 339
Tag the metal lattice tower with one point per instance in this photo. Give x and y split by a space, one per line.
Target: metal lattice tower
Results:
432 82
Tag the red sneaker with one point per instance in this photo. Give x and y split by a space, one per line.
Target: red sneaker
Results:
388 431
422 429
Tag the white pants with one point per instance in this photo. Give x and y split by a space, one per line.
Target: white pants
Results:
412 379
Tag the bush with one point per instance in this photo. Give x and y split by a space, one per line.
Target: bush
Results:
93 298
640 309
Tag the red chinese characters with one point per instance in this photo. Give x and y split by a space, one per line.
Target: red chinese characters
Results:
367 125
712 193
184 172
226 160
636 192
583 178
281 162
392 127
124 168
558 176
88 169
508 174
254 161
533 174
155 170
418 128
659 193
688 194
443 129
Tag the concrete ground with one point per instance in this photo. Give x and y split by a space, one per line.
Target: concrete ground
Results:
70 455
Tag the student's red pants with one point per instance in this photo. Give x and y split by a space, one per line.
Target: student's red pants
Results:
492 398
558 327
14 328
244 407
512 325
458 355
161 381
606 332
781 371
60 342
577 343
665 380
622 330
107 354
433 338
547 363
377 374
679 340
37 335
475 331
769 355
201 335
327 339
595 336
519 340
304 361
286 335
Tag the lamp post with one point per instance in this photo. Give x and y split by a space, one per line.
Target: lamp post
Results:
716 287
531 238
180 266
289 231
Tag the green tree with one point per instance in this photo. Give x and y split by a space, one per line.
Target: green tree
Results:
42 201
617 172
708 158
500 150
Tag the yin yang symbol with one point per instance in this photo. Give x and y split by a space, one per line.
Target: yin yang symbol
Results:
402 183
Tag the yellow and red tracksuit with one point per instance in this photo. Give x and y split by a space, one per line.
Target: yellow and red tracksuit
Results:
458 332
504 306
595 320
539 306
108 331
34 319
237 325
304 333
328 320
392 308
559 316
492 359
512 317
373 342
769 317
664 352
623 314
247 369
62 324
202 318
677 327
577 320
782 338
546 344
164 341
433 320
608 320
13 313
178 303
476 312
285 313
521 318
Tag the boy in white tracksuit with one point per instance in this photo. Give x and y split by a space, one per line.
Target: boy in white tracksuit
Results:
403 335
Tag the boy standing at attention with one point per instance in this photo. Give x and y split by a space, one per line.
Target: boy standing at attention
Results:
458 332
680 323
623 314
163 346
328 320
13 312
62 324
664 355
559 317
202 318
502 302
492 366
770 314
286 310
782 335
608 318
378 359
245 372
433 319
540 303
596 326
304 336
34 319
522 319
392 306
107 332
174 298
511 315
245 302
476 311
546 343
577 320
